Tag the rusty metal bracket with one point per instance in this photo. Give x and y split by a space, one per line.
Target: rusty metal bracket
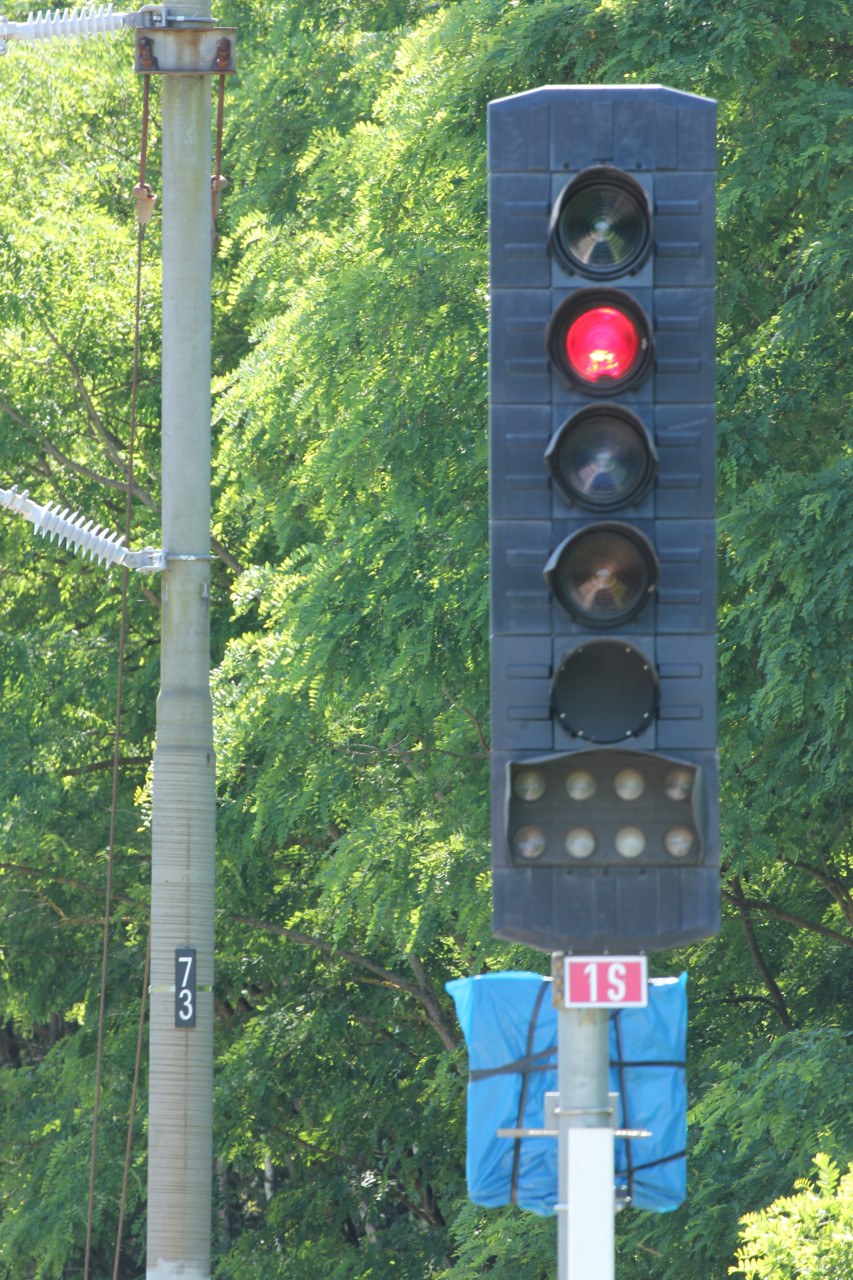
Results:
185 51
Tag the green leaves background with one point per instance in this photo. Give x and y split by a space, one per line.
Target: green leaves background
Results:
350 621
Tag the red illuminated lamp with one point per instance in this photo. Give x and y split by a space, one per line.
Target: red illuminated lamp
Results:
600 341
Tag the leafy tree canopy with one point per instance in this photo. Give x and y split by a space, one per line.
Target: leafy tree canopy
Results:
350 621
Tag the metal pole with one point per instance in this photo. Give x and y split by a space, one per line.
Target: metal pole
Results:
585 1238
183 837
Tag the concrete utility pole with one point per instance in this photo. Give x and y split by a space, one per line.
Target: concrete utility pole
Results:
180 45
180 1116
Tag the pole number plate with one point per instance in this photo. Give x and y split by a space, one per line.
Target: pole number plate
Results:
605 982
185 987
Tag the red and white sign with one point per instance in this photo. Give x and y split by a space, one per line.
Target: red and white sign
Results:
606 982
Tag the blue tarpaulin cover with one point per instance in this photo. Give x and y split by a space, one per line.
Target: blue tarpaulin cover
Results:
510 1028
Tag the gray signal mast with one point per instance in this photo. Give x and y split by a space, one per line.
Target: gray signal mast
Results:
181 44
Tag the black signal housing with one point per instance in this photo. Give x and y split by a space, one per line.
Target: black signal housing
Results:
605 791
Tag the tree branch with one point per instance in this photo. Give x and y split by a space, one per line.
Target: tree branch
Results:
431 1004
104 764
226 557
472 717
17 869
407 756
77 468
423 996
107 439
346 1158
765 1000
422 993
756 904
831 883
776 997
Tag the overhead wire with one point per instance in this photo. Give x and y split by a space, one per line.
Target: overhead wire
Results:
217 181
145 204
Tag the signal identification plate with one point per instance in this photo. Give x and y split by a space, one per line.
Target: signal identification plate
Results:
605 982
185 987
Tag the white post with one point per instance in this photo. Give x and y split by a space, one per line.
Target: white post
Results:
585 1238
182 888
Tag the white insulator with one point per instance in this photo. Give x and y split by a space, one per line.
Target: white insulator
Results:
94 541
67 24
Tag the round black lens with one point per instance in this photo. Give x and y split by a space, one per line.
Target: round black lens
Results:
601 224
604 574
602 458
605 691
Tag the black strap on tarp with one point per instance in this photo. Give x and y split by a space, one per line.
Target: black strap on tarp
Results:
652 1164
622 1065
525 1076
521 1066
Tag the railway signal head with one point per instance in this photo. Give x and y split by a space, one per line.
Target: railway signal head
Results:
601 384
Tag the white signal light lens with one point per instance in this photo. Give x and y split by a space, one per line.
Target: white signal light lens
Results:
629 784
630 842
529 843
603 574
580 842
678 784
580 785
679 841
529 785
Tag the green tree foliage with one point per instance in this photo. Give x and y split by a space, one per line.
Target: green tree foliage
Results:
350 621
803 1236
